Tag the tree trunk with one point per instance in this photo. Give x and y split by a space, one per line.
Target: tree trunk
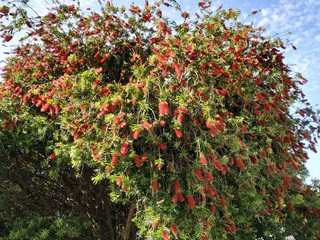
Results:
128 229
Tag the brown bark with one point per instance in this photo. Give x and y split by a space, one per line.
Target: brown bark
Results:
129 222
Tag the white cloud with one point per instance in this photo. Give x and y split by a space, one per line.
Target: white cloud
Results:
265 12
264 22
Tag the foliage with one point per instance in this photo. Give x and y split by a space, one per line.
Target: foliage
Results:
35 226
192 129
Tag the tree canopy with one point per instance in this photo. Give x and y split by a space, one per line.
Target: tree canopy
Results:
124 124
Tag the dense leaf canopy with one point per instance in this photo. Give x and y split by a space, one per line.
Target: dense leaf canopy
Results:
125 124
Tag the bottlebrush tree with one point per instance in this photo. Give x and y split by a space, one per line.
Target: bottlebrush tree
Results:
190 129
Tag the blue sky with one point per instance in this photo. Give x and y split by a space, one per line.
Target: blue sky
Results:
300 17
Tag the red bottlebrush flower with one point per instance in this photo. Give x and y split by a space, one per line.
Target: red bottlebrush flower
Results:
134 9
76 136
99 71
208 177
263 153
45 107
212 208
180 118
302 112
104 92
179 70
119 180
286 181
155 224
161 108
178 132
218 70
101 114
258 81
213 131
183 109
114 159
271 167
4 9
137 160
144 158
124 149
51 109
239 162
155 185
203 160
164 108
146 125
69 108
96 84
257 112
180 197
198 173
191 202
233 228
204 66
223 202
162 57
52 156
105 128
161 146
279 203
222 92
291 207
231 160
123 124
254 159
218 166
269 202
93 148
116 121
280 214
185 14
264 191
165 235
146 17
136 133
267 106
211 192
25 99
177 186
57 109
162 123
175 198
260 97
174 229
219 126
7 38
244 128
255 105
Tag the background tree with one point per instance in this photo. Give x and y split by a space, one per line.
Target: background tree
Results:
191 130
